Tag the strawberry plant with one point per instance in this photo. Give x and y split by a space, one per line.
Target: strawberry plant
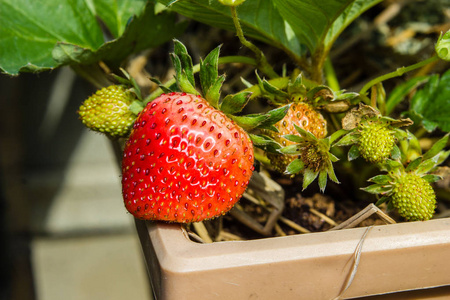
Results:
267 102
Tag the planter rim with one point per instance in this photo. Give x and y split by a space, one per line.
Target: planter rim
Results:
397 257
183 255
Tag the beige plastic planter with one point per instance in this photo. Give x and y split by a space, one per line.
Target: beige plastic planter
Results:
397 257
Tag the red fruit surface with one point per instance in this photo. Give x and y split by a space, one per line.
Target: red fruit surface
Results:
185 161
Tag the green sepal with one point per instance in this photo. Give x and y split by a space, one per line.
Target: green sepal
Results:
297 86
390 205
442 156
210 81
395 152
293 138
427 165
400 134
274 116
265 143
249 122
290 150
304 133
320 94
183 82
380 179
350 97
232 104
322 180
350 138
377 188
382 200
308 177
332 157
437 147
431 178
213 93
392 165
273 90
161 86
136 89
136 107
331 174
295 167
186 61
353 153
414 164
337 134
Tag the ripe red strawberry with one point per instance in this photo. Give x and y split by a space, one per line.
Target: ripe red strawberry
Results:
185 161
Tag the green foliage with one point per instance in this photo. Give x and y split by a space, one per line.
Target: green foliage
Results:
42 35
430 105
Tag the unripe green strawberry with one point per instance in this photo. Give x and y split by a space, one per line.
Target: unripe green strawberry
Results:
107 111
304 116
185 161
376 141
413 197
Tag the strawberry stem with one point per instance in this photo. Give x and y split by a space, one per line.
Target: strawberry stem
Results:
263 65
397 73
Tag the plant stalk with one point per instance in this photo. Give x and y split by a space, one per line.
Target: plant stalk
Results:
263 65
396 73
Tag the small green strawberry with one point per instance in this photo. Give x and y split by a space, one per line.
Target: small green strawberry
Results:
302 115
107 111
408 189
185 161
373 136
413 197
376 141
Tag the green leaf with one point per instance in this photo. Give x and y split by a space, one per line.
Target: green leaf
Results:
431 105
37 35
295 167
185 59
353 10
286 24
